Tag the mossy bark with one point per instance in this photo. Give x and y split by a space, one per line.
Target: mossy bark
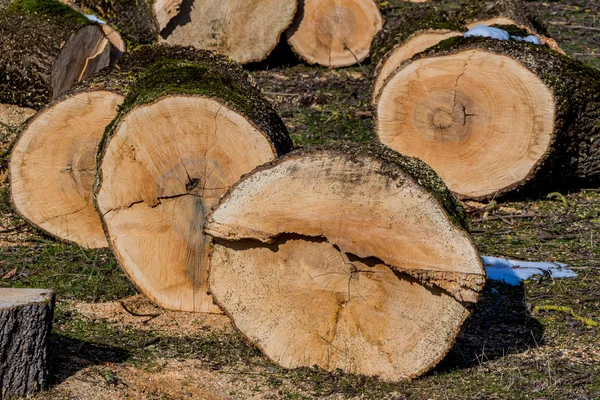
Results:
573 156
399 28
133 18
120 77
32 33
201 73
480 10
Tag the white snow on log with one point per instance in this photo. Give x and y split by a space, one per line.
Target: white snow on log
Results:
94 18
489 32
499 34
513 272
530 39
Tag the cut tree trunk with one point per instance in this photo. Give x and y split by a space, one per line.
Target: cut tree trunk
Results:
186 134
53 162
349 257
45 48
493 117
334 33
245 30
412 32
25 324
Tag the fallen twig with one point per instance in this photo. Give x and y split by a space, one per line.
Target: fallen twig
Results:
136 314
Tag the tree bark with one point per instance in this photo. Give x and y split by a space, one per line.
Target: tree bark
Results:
132 18
245 30
495 117
45 48
334 33
501 12
407 34
53 161
185 133
345 256
25 324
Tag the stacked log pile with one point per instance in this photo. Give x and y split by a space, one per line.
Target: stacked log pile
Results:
53 163
347 256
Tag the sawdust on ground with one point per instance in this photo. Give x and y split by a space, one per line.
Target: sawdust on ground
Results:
153 318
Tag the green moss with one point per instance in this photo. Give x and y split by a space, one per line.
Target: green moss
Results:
203 74
47 8
330 125
513 30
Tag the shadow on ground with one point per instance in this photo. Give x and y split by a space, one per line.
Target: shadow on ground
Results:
500 324
67 356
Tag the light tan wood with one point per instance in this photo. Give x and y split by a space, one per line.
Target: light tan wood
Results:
164 11
86 52
53 167
335 33
117 42
492 21
245 30
415 44
481 120
335 260
165 167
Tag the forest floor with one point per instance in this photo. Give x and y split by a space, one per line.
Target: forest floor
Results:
510 347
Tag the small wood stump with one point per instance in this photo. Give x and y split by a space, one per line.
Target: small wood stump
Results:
25 324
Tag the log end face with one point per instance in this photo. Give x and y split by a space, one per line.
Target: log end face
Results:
470 110
19 297
327 256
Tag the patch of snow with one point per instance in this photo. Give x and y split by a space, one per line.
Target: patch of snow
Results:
513 272
499 34
489 32
529 39
94 18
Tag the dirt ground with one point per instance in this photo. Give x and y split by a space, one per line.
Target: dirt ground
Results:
109 342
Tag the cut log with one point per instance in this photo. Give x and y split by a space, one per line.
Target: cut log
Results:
25 324
245 30
185 135
412 32
53 162
334 33
348 257
46 48
493 117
